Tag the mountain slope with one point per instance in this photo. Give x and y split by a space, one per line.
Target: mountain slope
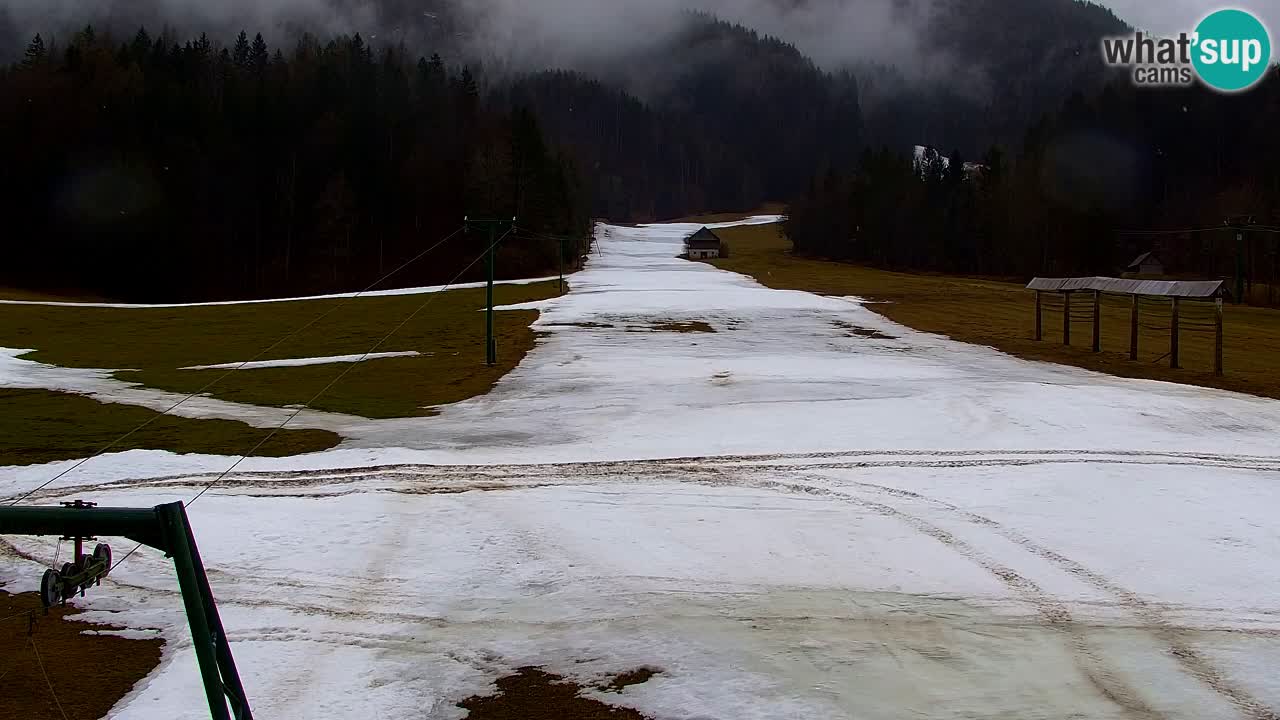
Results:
996 67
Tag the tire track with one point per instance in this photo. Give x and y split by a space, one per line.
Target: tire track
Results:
743 470
1150 617
1014 462
1054 613
567 473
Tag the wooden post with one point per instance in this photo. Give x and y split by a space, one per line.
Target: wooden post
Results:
1039 323
1217 340
1133 329
1066 318
1097 321
1173 336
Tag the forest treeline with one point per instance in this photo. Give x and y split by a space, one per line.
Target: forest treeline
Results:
1066 200
150 168
729 120
153 168
996 67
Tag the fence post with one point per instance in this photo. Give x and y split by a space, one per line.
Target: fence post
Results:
1097 321
1217 339
1133 329
1066 318
1039 325
1173 336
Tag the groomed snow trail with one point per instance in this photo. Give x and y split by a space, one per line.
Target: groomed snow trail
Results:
812 512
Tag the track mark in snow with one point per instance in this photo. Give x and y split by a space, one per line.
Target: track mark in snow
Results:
574 472
1196 664
1052 610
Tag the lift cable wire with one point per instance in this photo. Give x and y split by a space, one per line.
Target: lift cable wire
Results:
52 692
231 371
546 236
1249 228
556 238
350 366
117 563
7 618
1172 232
430 297
12 665
17 657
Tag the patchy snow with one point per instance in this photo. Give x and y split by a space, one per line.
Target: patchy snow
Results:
335 296
99 384
302 362
812 512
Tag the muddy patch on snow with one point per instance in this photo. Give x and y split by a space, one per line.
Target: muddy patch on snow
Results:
602 326
858 331
533 693
629 678
696 326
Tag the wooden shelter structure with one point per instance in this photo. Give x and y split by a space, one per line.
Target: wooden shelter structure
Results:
702 245
1147 264
1175 291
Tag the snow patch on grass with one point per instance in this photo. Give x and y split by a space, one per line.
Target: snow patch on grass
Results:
300 362
334 296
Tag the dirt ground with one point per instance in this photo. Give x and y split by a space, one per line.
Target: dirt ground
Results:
86 674
1002 315
534 694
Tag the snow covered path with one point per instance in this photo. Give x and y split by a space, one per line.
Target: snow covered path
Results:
812 512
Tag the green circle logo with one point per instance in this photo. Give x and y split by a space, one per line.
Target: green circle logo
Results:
1233 50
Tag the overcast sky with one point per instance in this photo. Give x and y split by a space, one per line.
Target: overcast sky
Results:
1169 17
831 31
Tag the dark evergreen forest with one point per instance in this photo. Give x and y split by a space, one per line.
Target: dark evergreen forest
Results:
1067 199
153 168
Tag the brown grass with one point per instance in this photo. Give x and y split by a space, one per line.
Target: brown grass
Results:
772 208
158 341
48 296
1002 315
37 426
534 694
89 673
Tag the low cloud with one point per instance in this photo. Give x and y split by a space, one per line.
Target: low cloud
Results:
832 32
551 32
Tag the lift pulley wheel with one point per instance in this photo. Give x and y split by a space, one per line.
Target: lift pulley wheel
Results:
56 586
51 588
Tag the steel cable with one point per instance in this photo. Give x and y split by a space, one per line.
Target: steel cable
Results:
317 396
230 372
52 692
351 366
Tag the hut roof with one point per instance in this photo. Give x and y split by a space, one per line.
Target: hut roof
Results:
1144 257
704 238
1157 288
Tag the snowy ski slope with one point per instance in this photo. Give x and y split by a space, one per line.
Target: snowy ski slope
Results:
812 512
